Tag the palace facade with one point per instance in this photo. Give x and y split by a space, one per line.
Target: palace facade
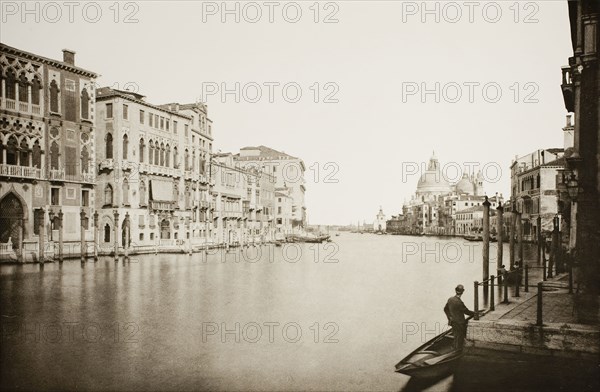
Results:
48 153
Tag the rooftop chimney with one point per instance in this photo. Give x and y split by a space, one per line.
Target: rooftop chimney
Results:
569 120
69 56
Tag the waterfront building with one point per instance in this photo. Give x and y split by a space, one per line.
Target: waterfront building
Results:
284 215
200 153
288 172
258 205
581 92
47 142
534 189
230 222
470 220
395 224
265 205
152 175
379 225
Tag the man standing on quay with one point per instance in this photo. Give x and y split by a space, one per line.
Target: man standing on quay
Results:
455 310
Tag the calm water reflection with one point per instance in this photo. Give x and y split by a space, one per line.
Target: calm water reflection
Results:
335 316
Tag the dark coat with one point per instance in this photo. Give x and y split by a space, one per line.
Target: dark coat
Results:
455 310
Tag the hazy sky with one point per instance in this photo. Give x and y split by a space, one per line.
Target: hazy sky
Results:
373 57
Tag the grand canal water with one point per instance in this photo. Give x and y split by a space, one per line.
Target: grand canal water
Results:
334 316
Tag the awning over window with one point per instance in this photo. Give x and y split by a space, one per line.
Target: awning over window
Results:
161 190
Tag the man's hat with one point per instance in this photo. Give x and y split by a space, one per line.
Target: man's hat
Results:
459 289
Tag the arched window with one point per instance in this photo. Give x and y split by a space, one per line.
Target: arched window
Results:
109 146
37 155
2 148
85 160
54 97
187 159
142 193
54 152
108 195
167 155
11 151
157 154
10 85
176 194
107 233
125 192
187 196
141 151
36 86
24 153
85 104
175 158
162 154
151 152
125 146
23 88
193 160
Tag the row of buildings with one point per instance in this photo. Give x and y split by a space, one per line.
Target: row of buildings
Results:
105 171
440 207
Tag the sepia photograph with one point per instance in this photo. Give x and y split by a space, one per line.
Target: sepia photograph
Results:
303 195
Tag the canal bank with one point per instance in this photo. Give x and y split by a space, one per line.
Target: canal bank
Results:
542 319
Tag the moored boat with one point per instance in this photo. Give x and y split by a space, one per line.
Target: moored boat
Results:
434 359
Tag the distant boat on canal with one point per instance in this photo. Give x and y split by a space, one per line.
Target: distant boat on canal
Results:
307 238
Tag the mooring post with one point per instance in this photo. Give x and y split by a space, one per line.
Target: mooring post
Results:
526 278
492 306
505 289
486 248
539 305
476 305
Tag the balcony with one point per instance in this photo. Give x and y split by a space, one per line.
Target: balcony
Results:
203 179
20 171
21 107
106 164
88 178
231 214
530 192
162 205
128 165
56 175
567 88
189 174
204 204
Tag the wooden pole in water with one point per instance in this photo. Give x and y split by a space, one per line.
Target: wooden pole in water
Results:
82 244
486 248
499 231
41 229
540 247
511 239
519 239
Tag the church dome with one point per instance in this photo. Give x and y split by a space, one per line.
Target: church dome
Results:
465 185
432 181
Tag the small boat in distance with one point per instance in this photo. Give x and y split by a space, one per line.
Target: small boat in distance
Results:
474 237
434 359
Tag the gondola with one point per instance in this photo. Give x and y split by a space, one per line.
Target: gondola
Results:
434 359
